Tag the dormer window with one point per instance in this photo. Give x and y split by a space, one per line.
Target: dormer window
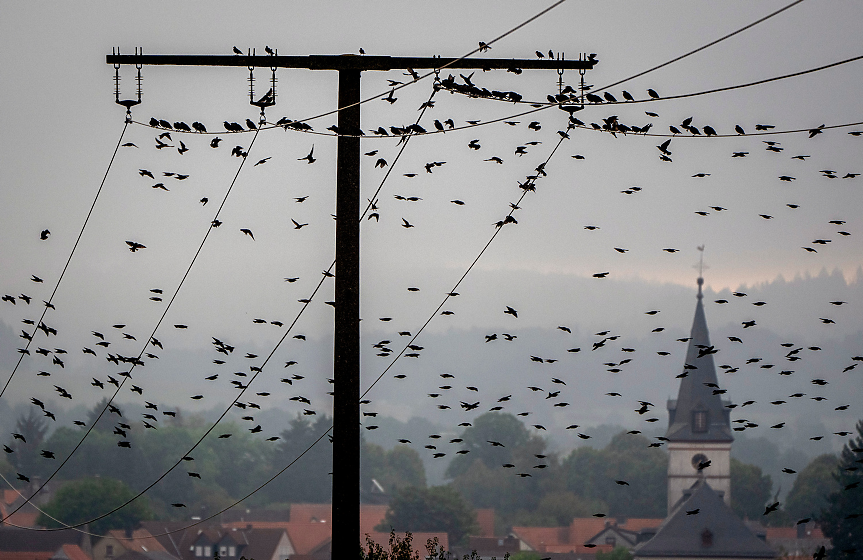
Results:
699 421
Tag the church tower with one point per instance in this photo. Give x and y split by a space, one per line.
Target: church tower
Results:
699 426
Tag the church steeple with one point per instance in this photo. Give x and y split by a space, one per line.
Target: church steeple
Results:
699 426
698 414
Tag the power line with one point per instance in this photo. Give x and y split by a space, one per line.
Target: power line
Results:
68 260
128 374
668 97
760 133
703 47
461 279
257 372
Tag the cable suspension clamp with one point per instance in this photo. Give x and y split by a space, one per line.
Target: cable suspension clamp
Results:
127 103
269 98
567 98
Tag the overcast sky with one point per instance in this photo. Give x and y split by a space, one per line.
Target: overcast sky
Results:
60 127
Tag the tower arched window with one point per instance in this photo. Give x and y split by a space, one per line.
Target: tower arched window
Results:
699 421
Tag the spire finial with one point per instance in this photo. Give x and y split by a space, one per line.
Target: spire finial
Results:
700 269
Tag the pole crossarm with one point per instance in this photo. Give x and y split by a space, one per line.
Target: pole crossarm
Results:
348 62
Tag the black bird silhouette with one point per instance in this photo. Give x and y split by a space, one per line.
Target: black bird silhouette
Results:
310 158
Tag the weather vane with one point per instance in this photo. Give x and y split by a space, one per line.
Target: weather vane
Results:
701 266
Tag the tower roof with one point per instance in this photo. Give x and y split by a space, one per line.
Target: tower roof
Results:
699 414
701 525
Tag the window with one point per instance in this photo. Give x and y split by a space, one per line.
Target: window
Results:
706 538
232 551
610 540
223 551
109 551
699 421
208 551
199 551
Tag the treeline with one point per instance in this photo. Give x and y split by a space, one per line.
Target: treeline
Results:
226 466
496 463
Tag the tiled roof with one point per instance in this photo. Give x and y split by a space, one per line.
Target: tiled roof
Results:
791 533
5 555
72 552
485 520
141 540
312 512
306 537
638 523
262 543
24 540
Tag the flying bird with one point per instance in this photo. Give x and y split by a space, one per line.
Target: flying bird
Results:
309 158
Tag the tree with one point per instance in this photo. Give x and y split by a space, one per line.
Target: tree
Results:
89 498
25 457
503 428
629 458
562 507
750 489
439 508
812 486
393 469
308 480
842 520
594 475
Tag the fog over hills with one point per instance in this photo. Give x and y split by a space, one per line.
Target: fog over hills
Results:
499 368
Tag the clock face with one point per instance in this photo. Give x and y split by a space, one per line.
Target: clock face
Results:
697 459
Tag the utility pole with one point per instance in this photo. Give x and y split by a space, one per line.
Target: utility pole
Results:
346 352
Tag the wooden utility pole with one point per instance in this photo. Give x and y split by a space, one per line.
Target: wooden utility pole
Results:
346 352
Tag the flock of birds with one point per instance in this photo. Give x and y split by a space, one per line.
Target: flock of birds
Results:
117 346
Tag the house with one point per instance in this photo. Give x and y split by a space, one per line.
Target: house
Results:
309 530
583 538
12 499
71 552
493 547
796 543
613 535
130 545
231 542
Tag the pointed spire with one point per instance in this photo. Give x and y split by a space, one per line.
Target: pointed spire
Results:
699 414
